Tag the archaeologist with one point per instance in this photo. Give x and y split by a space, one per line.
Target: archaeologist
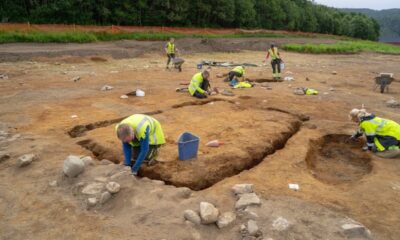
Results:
383 135
237 72
141 138
199 86
170 50
275 62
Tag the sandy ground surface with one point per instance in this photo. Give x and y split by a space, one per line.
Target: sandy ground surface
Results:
268 142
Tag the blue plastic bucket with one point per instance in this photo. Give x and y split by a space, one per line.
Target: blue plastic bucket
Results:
199 66
188 145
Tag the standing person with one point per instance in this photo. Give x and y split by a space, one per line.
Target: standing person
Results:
237 72
199 85
275 62
141 137
170 50
383 135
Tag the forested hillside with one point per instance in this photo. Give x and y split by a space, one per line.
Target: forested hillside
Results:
389 21
294 15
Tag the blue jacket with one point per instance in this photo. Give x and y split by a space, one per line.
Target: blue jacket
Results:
144 149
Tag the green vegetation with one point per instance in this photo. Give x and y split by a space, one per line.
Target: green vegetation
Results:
388 19
344 47
292 15
84 37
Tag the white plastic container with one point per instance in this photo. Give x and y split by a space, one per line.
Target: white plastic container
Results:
140 93
282 66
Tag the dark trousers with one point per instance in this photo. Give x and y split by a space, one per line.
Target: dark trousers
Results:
205 85
170 57
233 74
152 154
276 65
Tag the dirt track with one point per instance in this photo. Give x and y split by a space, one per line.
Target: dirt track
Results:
130 48
39 98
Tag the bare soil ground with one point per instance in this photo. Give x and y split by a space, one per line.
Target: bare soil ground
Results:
269 142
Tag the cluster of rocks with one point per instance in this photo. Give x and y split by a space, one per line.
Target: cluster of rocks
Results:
209 214
101 190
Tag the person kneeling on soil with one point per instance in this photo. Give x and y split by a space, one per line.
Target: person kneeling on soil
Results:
237 72
383 135
199 85
141 138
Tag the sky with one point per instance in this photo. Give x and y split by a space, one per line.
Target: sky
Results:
372 4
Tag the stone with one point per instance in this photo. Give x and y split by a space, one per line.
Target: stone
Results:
252 228
101 179
247 199
105 196
184 192
3 76
226 92
242 228
113 187
334 73
93 188
208 213
250 214
280 224
331 89
299 91
393 103
73 166
26 159
53 183
226 219
88 161
91 202
192 216
106 88
105 162
242 188
77 78
356 230
124 97
158 182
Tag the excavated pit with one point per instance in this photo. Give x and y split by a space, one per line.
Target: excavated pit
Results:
249 135
334 160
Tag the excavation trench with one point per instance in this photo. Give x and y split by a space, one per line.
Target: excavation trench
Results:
201 173
250 135
334 160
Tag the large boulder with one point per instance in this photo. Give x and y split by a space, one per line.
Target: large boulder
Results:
208 213
73 166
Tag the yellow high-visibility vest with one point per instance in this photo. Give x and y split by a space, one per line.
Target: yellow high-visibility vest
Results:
239 69
139 123
195 84
274 53
380 127
170 48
